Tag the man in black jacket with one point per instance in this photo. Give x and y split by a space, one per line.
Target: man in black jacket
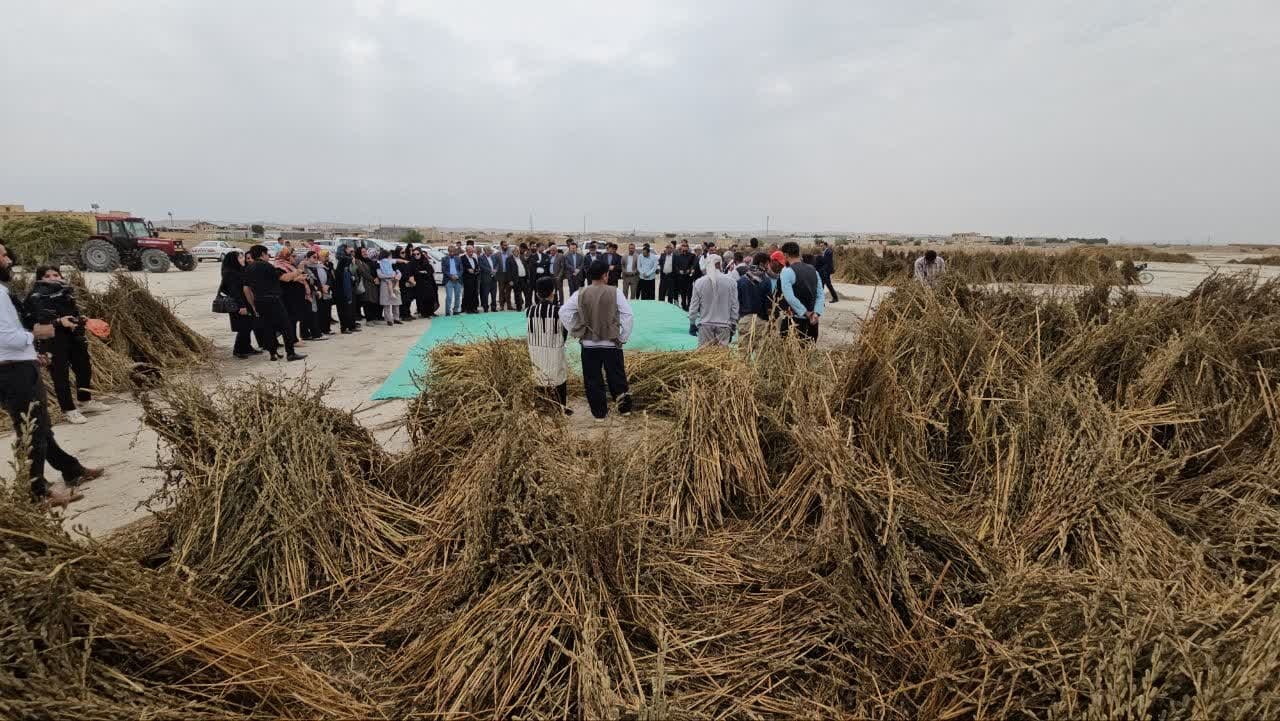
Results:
470 280
825 262
521 276
683 265
614 259
574 268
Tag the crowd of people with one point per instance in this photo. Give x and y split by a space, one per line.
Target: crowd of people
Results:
290 299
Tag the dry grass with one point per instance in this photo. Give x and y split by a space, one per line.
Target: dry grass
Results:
1077 266
991 504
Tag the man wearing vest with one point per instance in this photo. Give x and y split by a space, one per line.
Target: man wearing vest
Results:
803 291
600 317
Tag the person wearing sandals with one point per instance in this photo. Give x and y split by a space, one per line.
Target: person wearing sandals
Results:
22 393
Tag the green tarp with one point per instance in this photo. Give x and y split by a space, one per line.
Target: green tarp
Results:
658 326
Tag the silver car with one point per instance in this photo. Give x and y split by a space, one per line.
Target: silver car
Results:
212 250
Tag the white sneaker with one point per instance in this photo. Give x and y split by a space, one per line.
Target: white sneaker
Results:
94 407
75 417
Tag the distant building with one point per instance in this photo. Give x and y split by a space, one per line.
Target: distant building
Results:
301 235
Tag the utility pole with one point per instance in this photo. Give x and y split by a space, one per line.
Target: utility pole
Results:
531 221
766 226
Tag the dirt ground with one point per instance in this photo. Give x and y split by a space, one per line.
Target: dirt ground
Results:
356 365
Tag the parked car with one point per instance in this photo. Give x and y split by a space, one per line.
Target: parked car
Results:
212 250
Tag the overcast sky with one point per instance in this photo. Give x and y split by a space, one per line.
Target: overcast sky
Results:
1134 119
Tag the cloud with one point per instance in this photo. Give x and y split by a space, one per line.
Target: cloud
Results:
1148 120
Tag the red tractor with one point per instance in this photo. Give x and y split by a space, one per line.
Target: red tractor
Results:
121 240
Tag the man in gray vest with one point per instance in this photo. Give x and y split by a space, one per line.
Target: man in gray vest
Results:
600 318
802 289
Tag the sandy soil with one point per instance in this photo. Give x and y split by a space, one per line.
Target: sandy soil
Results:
356 365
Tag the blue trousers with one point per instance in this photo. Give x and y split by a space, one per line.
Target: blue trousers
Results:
453 297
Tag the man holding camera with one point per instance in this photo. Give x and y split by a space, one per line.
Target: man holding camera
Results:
22 393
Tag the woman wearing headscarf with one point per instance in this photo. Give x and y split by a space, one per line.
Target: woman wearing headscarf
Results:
344 288
425 289
296 293
408 267
366 295
320 276
546 337
242 321
388 288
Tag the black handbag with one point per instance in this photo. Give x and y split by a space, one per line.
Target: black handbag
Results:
224 303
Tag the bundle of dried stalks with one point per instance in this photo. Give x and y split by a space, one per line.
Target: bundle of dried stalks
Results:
86 633
272 496
144 327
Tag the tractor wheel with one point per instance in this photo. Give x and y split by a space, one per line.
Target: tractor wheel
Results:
184 261
154 260
99 256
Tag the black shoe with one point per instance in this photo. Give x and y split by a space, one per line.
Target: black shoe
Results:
256 351
398 322
624 404
318 338
295 357
357 329
275 356
241 356
344 331
389 324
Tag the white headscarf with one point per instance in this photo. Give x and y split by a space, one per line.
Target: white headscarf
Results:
713 267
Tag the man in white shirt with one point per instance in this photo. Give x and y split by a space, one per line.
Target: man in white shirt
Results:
630 273
601 319
22 392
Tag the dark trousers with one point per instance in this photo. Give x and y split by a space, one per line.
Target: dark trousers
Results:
470 293
575 282
803 327
273 320
428 299
666 287
22 393
826 282
407 293
601 366
645 288
522 290
372 311
308 323
71 353
504 291
324 317
684 288
345 319
489 295
242 345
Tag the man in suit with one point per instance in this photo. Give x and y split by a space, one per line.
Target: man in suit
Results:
520 275
470 280
630 273
614 259
825 263
574 265
488 280
593 254
666 274
684 265
555 266
502 278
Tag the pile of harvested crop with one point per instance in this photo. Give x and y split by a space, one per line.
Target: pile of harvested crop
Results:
272 497
144 327
86 633
991 503
1077 266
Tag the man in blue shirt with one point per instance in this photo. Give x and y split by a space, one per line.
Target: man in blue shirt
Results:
803 291
451 269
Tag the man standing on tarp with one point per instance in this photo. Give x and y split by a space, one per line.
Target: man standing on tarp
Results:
600 318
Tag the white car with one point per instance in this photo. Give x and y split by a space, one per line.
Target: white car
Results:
212 250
